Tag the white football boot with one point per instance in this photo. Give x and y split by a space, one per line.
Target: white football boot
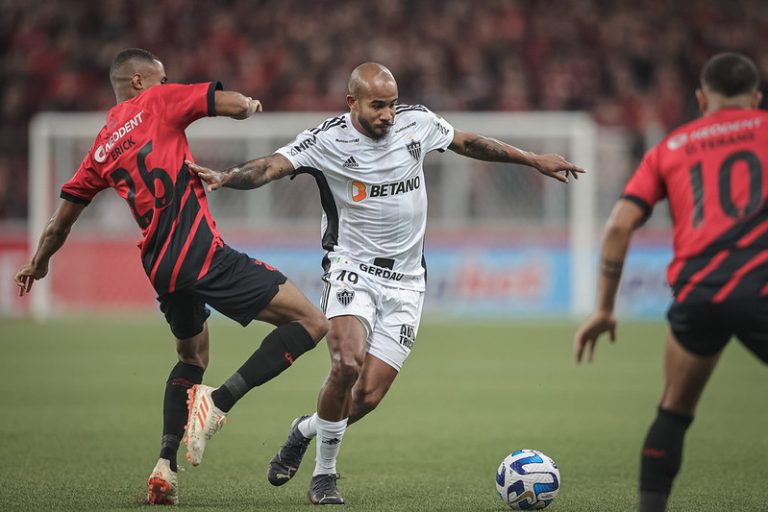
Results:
163 485
205 419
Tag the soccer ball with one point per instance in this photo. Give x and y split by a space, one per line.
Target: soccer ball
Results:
527 480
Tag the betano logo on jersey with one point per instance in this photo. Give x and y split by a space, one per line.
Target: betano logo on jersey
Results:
100 155
359 190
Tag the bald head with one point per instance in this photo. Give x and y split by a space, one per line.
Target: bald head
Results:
372 99
134 70
371 79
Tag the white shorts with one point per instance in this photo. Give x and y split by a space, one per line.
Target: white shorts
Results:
390 315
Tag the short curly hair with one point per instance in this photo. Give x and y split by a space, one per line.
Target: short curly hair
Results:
730 74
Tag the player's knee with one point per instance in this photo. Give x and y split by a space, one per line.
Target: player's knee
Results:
680 403
345 370
194 352
196 359
367 400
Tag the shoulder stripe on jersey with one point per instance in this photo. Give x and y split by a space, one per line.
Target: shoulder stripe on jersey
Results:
74 199
211 97
642 203
331 235
406 108
330 123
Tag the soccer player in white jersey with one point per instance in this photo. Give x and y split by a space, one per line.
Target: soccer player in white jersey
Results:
368 164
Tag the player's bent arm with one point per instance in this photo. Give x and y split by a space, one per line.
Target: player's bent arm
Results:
489 149
53 237
625 218
245 176
235 105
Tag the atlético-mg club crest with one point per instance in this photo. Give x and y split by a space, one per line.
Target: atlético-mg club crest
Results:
414 148
345 296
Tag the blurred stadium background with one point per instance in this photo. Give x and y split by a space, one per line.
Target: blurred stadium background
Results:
498 241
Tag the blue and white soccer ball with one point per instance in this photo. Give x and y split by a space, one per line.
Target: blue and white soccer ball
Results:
527 480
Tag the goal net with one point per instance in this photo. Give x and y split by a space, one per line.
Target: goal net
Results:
502 241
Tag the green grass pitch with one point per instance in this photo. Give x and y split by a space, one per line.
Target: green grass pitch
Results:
81 419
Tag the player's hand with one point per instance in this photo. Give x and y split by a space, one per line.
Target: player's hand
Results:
253 106
557 167
586 337
213 179
27 275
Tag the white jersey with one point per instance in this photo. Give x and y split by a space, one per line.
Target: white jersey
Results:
373 192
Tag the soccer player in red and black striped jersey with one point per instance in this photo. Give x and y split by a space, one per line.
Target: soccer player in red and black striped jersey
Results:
714 173
140 152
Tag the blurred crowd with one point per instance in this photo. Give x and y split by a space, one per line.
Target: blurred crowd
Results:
632 64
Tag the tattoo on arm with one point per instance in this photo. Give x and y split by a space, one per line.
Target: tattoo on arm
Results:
254 174
486 148
611 268
246 176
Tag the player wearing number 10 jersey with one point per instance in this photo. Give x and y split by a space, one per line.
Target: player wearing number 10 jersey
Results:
140 152
714 172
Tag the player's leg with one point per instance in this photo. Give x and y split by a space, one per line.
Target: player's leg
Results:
392 340
300 326
685 375
346 344
187 320
369 390
245 289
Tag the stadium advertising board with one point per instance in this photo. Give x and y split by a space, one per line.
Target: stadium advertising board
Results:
485 281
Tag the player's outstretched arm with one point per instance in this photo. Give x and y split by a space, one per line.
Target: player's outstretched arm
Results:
480 147
235 105
53 238
625 218
248 175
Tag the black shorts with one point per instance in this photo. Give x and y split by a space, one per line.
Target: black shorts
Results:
236 285
704 328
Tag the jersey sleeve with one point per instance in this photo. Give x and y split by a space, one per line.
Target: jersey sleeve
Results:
646 186
85 184
184 104
438 133
304 151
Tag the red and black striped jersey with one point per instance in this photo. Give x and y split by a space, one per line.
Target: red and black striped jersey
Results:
714 173
140 152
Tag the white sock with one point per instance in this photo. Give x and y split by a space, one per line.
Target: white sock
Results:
329 435
308 426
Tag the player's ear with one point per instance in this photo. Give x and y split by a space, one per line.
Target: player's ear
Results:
137 82
701 98
351 102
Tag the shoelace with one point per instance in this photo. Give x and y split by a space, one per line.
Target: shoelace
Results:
296 449
218 424
327 484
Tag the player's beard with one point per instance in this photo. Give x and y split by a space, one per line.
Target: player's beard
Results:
372 132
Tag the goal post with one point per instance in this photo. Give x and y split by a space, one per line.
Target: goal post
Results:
473 205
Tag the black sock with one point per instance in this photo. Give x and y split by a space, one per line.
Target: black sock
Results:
182 377
661 459
277 352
